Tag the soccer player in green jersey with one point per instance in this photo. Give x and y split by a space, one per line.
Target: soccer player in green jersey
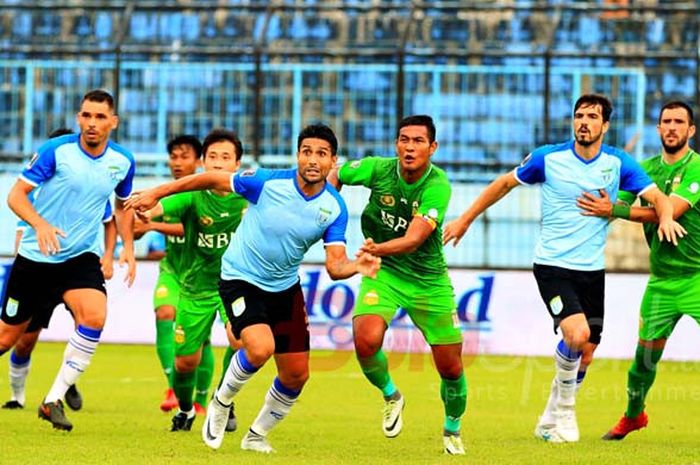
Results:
402 224
184 153
673 289
210 219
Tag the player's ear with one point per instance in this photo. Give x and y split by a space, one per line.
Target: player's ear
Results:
115 121
433 147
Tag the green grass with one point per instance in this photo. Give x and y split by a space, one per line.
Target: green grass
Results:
337 417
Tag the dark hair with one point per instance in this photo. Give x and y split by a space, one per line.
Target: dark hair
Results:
186 139
219 135
60 132
595 99
418 120
679 104
319 131
99 95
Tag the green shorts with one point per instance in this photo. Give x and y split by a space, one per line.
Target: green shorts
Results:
194 319
665 301
431 306
167 291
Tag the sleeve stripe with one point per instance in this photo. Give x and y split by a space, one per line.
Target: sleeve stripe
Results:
325 244
673 194
108 219
122 198
649 187
28 181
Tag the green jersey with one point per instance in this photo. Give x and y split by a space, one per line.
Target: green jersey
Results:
210 221
392 205
175 248
681 179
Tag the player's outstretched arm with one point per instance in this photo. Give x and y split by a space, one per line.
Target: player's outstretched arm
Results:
148 199
601 206
339 266
669 229
125 228
419 229
454 230
18 201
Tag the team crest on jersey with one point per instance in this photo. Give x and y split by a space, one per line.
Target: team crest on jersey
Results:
607 175
206 220
387 200
693 188
414 208
675 183
323 216
32 160
162 292
114 172
355 164
371 298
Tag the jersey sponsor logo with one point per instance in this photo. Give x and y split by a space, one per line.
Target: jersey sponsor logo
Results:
414 208
371 298
175 239
179 335
526 159
387 200
355 164
223 215
556 305
393 222
238 307
248 173
403 200
323 216
693 188
206 220
32 160
214 241
676 182
11 308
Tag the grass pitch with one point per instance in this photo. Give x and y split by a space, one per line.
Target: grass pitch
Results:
337 419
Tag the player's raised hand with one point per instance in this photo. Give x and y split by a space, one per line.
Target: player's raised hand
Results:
454 230
368 264
592 205
671 231
369 247
46 237
142 200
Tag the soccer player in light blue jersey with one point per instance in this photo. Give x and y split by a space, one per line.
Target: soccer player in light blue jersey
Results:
289 210
569 257
60 252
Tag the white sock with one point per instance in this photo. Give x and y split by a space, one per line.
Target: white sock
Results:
548 417
567 363
278 402
76 358
240 370
19 370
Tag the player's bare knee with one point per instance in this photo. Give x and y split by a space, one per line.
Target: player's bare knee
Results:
165 312
186 364
294 379
366 346
259 354
586 358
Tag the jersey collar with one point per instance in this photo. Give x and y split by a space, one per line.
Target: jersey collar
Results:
403 182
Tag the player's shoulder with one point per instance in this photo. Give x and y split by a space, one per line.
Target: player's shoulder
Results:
437 176
615 152
651 162
121 150
334 196
55 143
550 149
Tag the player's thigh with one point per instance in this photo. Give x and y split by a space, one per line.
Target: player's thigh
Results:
434 313
84 290
32 288
378 296
689 301
289 321
244 305
557 289
166 294
590 288
661 307
193 322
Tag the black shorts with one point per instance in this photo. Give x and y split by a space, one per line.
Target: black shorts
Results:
34 289
284 312
568 292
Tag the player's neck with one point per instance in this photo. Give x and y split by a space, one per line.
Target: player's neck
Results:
310 188
93 151
672 158
412 176
588 152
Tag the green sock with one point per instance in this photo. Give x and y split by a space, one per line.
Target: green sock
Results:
453 393
183 385
165 347
376 369
228 355
640 378
205 373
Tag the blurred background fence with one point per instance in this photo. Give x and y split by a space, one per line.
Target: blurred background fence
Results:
499 77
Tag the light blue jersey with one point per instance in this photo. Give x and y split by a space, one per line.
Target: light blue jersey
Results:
74 189
279 227
22 225
569 239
